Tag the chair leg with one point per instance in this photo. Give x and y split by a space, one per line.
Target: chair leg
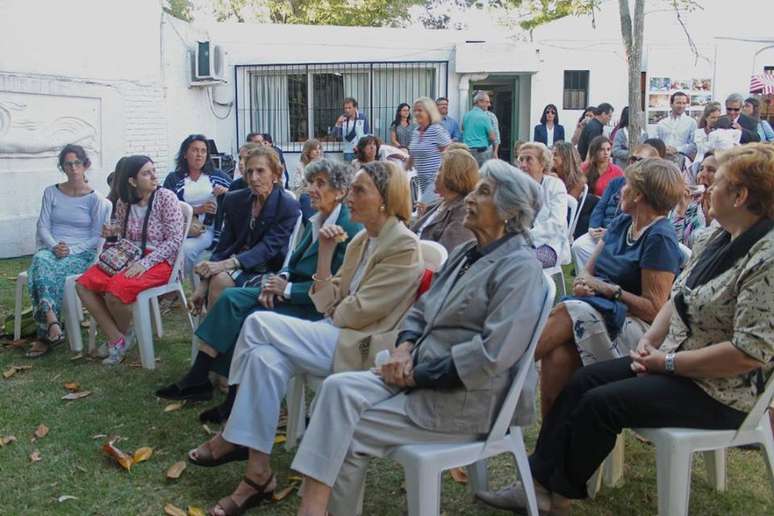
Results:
614 463
92 334
154 301
423 490
71 316
20 282
594 484
768 448
478 477
142 326
296 404
522 466
715 462
184 302
673 478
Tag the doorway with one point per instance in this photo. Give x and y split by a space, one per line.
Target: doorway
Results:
501 94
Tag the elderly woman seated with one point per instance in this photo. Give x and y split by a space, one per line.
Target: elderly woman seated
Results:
256 231
549 232
625 284
363 303
286 293
452 367
442 222
703 362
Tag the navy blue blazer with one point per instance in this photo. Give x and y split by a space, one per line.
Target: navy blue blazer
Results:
541 133
264 246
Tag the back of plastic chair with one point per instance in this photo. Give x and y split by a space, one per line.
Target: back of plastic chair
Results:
433 254
187 218
759 409
579 208
295 236
503 421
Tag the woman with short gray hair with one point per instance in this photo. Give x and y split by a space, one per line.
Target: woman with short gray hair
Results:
451 369
286 293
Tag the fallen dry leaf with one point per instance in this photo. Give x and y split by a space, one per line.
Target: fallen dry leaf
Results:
64 498
7 439
294 478
195 511
175 470
76 357
72 386
41 431
172 510
122 458
35 456
279 439
174 406
99 436
18 344
280 495
15 369
142 454
76 395
207 429
459 475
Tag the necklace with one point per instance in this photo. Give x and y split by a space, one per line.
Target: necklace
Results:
631 239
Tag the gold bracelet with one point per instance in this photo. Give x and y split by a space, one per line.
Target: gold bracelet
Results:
315 277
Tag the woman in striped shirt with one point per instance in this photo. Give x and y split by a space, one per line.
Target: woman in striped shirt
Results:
428 141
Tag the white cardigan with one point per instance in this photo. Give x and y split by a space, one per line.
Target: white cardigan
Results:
550 226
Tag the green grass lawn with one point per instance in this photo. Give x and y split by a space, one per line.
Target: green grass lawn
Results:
123 404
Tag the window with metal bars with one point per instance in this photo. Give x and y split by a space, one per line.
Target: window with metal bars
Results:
576 89
296 102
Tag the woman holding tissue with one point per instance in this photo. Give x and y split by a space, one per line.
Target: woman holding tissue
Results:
197 182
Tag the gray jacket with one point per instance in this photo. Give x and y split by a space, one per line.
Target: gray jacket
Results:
485 321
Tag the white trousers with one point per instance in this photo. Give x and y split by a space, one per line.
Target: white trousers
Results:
193 249
582 248
357 416
270 350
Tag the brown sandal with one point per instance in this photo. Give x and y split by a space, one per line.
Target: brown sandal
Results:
231 508
207 459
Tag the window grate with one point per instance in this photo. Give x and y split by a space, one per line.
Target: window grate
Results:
296 102
576 89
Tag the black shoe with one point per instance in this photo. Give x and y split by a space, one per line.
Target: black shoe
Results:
201 392
217 414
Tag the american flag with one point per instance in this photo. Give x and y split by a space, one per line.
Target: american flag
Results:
762 83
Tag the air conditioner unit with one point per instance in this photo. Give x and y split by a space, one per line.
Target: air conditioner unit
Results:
209 63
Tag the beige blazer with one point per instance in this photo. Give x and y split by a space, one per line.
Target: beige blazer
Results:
369 319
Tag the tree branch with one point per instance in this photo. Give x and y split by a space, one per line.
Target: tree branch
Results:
691 43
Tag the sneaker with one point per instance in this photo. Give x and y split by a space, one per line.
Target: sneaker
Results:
103 351
116 353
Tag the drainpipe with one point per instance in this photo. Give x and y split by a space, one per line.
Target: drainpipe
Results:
465 90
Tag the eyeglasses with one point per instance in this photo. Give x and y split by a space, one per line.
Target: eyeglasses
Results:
72 164
635 159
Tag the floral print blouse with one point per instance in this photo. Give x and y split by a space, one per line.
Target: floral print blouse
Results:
736 307
690 225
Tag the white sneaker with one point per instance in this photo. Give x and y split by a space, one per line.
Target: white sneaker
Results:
103 351
116 353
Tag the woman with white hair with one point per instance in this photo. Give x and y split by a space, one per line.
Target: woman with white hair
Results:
549 233
428 141
451 368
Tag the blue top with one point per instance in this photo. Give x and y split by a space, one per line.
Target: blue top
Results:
622 264
452 127
476 126
608 206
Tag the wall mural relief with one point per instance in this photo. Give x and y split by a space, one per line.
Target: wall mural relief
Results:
38 125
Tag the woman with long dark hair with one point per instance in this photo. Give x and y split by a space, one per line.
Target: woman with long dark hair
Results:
587 115
549 131
197 182
402 127
598 168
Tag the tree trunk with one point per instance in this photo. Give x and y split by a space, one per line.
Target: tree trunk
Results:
631 30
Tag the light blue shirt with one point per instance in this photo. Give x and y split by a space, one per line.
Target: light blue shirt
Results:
678 132
452 127
476 125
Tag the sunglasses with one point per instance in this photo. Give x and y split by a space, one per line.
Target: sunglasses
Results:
733 108
635 159
549 112
72 164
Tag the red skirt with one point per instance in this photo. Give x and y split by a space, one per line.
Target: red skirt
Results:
125 289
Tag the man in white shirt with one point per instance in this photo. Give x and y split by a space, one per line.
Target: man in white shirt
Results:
677 130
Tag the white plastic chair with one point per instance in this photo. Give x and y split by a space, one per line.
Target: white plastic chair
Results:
21 281
675 447
434 256
423 464
574 208
147 300
576 211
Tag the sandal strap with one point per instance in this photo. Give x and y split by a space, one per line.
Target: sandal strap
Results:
55 323
259 488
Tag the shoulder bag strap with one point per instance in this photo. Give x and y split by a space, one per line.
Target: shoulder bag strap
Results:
145 222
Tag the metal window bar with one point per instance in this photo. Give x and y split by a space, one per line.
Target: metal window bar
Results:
295 102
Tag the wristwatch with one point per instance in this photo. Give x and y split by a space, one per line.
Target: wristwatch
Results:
669 363
617 293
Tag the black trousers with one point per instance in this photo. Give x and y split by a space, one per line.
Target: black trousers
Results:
601 400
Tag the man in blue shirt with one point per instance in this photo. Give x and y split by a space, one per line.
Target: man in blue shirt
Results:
451 125
477 130
350 127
